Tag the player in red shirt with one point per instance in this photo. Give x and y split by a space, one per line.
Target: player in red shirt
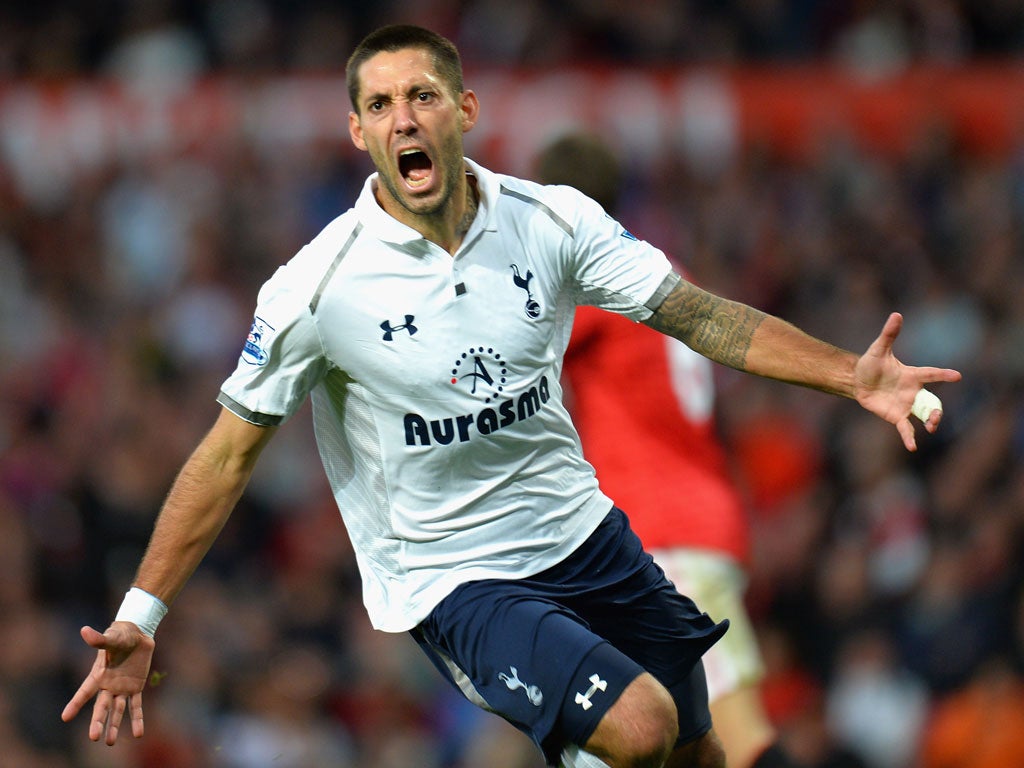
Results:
643 404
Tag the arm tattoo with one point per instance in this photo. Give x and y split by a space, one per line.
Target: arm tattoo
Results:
717 328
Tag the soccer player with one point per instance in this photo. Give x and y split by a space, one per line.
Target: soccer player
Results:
427 323
643 404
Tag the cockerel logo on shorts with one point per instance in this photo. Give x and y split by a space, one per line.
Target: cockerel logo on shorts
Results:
512 682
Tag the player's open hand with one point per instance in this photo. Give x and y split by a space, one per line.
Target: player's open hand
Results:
888 388
117 678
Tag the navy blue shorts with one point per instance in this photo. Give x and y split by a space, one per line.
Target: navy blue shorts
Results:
553 652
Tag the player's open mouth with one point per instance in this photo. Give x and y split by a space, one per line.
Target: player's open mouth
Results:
415 167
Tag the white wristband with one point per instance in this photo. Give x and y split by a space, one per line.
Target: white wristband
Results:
142 609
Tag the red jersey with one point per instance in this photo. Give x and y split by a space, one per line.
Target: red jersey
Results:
644 407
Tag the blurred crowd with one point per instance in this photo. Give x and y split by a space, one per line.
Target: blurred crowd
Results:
886 586
54 38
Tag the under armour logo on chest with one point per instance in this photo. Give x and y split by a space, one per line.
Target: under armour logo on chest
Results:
390 329
596 684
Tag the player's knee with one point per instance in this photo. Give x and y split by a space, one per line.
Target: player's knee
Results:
703 752
640 729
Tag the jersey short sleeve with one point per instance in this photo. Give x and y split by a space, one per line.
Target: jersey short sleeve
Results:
282 358
614 269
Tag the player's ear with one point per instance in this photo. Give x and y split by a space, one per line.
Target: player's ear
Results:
470 107
355 130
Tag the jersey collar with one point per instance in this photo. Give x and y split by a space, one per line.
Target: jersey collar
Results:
387 228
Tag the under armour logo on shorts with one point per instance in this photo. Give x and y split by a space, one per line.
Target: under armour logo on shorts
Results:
596 684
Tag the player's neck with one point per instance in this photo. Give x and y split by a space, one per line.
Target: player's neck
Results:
471 202
447 226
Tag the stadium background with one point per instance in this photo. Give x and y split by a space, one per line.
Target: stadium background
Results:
826 161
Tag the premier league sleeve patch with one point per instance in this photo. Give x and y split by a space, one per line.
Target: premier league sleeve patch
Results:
255 350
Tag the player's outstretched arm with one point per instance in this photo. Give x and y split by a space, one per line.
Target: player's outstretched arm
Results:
734 334
199 503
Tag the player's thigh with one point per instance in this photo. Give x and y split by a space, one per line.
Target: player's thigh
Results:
646 618
528 659
641 726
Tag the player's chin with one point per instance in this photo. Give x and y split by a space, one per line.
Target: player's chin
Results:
423 203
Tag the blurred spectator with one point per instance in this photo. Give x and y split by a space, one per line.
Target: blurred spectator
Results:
166 43
795 702
156 52
980 725
874 705
281 721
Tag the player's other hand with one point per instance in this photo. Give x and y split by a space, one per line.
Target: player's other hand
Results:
887 387
116 680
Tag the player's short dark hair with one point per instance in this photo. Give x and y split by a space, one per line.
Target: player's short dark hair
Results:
397 37
584 161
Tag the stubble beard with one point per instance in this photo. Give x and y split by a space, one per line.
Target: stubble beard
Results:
416 206
449 172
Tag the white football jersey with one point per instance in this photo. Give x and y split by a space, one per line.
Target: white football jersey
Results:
435 382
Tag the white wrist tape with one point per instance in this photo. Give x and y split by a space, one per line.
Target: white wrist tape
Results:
924 403
142 609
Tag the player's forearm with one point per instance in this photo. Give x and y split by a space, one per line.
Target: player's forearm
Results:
197 507
744 338
779 350
194 513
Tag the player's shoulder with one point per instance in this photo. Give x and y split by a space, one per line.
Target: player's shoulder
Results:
329 242
301 276
559 197
562 203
